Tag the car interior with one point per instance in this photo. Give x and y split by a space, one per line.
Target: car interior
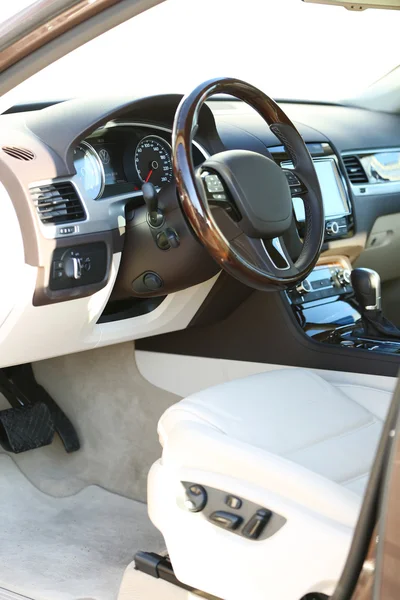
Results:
199 337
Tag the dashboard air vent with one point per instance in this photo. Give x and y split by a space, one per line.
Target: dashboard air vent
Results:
19 153
355 169
57 203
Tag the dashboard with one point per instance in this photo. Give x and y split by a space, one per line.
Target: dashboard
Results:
89 270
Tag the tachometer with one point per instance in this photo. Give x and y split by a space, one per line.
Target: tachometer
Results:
90 170
153 160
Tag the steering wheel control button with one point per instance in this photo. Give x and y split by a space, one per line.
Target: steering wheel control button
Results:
226 520
292 179
213 184
254 528
196 497
233 502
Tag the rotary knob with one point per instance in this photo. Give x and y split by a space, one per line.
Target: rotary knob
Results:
344 277
304 287
73 267
332 228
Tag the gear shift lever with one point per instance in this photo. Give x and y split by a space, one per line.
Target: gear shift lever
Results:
367 290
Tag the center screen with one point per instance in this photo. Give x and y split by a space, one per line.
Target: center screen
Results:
333 194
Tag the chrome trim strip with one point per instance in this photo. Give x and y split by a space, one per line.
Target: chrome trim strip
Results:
276 242
50 230
378 188
151 126
100 164
369 151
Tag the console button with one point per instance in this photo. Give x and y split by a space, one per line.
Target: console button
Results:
332 228
196 497
226 520
254 528
233 502
152 281
304 287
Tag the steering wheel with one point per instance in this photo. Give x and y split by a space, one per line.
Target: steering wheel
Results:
252 189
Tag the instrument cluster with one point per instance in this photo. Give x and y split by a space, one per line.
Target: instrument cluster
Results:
119 158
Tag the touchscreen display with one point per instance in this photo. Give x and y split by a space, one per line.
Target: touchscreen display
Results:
333 194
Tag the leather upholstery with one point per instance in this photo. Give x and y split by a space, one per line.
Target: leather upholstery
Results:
330 430
303 445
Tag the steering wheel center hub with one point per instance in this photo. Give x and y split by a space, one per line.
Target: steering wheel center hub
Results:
258 188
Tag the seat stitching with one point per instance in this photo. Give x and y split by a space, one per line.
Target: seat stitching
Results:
361 387
192 413
352 479
333 437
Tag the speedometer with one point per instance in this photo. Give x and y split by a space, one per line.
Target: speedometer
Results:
153 160
89 170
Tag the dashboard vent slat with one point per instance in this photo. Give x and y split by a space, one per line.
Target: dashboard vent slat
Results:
57 203
19 153
355 170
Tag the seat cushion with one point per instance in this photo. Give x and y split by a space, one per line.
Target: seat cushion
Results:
331 430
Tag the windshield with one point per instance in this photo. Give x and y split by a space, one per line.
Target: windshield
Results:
290 49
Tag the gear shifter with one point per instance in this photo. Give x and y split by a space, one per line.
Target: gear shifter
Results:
367 289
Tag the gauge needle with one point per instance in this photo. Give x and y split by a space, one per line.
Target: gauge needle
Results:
150 173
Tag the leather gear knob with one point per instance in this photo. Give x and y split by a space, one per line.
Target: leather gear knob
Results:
367 288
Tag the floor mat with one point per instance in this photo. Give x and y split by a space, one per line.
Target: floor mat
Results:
115 412
69 548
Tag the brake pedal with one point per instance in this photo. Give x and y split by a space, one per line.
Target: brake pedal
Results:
26 428
35 416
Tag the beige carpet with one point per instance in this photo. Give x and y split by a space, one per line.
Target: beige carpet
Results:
67 548
71 523
115 411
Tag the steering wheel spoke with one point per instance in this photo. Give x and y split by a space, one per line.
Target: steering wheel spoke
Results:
278 258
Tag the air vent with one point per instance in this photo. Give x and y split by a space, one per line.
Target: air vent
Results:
19 153
355 170
57 203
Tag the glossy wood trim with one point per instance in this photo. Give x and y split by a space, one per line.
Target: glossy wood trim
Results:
335 260
55 25
194 203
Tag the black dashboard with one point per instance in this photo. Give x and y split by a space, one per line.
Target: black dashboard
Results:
93 156
72 173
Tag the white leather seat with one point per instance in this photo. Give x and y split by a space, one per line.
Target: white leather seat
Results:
286 440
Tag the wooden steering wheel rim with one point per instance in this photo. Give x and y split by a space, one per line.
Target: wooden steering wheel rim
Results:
195 205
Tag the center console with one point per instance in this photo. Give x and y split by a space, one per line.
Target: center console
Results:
331 311
329 305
